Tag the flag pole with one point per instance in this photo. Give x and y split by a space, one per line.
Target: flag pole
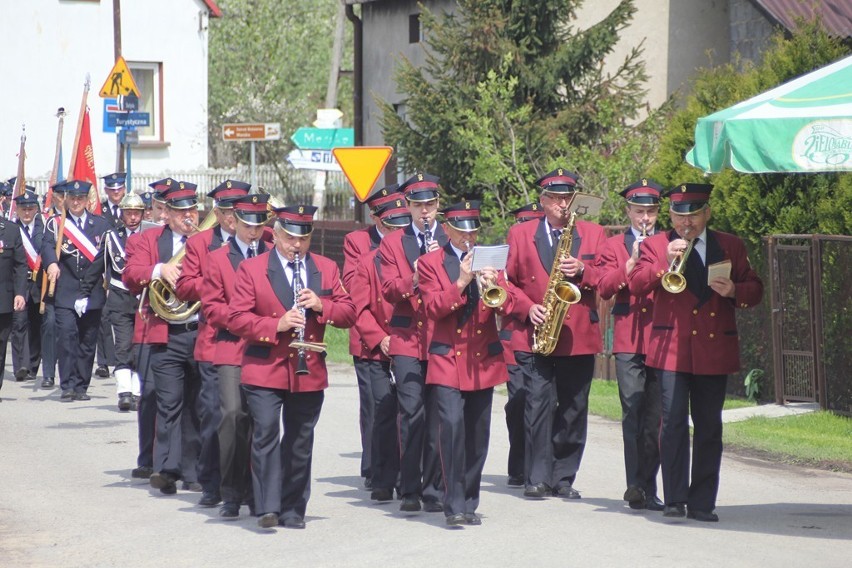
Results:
48 198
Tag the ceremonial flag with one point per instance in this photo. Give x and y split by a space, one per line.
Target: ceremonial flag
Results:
84 164
56 174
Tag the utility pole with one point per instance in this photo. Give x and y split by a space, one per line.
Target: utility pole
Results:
330 102
116 40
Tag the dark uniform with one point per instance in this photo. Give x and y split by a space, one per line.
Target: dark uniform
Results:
693 347
420 472
13 268
28 328
77 317
356 245
512 336
465 364
557 385
271 377
638 387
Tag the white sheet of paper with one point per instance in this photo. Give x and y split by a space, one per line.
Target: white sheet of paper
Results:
490 256
718 270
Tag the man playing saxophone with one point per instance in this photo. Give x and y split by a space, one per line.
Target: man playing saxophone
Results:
557 384
172 341
693 343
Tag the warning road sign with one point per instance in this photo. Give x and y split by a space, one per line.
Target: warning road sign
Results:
363 165
119 81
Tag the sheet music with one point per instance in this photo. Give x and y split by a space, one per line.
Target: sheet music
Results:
489 256
718 270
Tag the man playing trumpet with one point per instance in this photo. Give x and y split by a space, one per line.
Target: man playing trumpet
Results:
465 359
693 343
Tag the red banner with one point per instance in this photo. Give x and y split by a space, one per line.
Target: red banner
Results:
84 165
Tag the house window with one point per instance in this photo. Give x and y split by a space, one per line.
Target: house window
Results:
414 29
148 78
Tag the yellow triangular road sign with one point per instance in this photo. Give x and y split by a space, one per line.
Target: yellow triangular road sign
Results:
363 165
119 81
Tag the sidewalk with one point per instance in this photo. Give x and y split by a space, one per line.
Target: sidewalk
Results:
769 411
67 500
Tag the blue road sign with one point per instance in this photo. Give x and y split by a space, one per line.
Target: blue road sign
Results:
128 119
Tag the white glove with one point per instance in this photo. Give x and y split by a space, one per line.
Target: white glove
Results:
80 306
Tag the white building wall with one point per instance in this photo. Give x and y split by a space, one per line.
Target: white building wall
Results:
49 46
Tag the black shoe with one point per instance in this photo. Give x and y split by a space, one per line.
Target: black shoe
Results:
163 481
267 521
125 401
566 492
456 520
635 497
67 396
653 503
31 376
21 375
81 396
142 472
537 491
515 481
102 371
134 403
433 507
368 483
47 383
229 510
209 499
703 516
472 519
382 495
193 486
410 504
678 510
292 523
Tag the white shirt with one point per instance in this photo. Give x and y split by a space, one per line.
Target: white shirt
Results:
700 246
637 234
79 221
288 271
242 246
418 232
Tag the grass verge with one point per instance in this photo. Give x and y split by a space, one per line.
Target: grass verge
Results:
337 341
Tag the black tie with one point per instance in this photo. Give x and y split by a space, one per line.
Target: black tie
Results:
557 234
292 266
422 244
27 230
115 211
249 252
79 223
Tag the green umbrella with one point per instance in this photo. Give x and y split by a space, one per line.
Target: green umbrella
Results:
804 125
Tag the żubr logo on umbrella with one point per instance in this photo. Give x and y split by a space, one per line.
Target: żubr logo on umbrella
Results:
824 145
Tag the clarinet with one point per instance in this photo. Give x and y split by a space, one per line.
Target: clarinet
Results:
302 366
427 233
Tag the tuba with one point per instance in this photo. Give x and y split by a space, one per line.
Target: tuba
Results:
558 296
163 298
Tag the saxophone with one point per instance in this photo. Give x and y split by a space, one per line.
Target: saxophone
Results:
558 296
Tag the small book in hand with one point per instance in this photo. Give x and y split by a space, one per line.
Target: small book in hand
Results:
720 269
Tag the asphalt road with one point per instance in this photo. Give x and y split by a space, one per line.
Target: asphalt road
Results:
67 500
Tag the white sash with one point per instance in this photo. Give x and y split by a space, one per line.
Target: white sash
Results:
80 240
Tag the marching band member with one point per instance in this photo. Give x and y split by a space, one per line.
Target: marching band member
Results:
693 344
465 359
170 364
217 293
356 245
79 235
638 387
268 314
373 332
557 385
198 249
513 337
28 325
120 303
418 420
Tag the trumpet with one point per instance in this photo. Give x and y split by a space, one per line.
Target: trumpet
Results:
674 281
492 295
300 343
644 234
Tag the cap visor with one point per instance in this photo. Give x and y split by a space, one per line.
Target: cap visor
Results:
422 196
643 200
559 188
253 219
465 225
687 207
297 230
397 221
182 203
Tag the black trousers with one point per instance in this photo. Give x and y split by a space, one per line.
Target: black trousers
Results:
384 445
465 425
121 312
365 414
26 338
75 347
48 342
703 396
639 391
106 342
146 417
555 416
176 382
5 331
515 419
420 471
209 417
281 468
234 434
